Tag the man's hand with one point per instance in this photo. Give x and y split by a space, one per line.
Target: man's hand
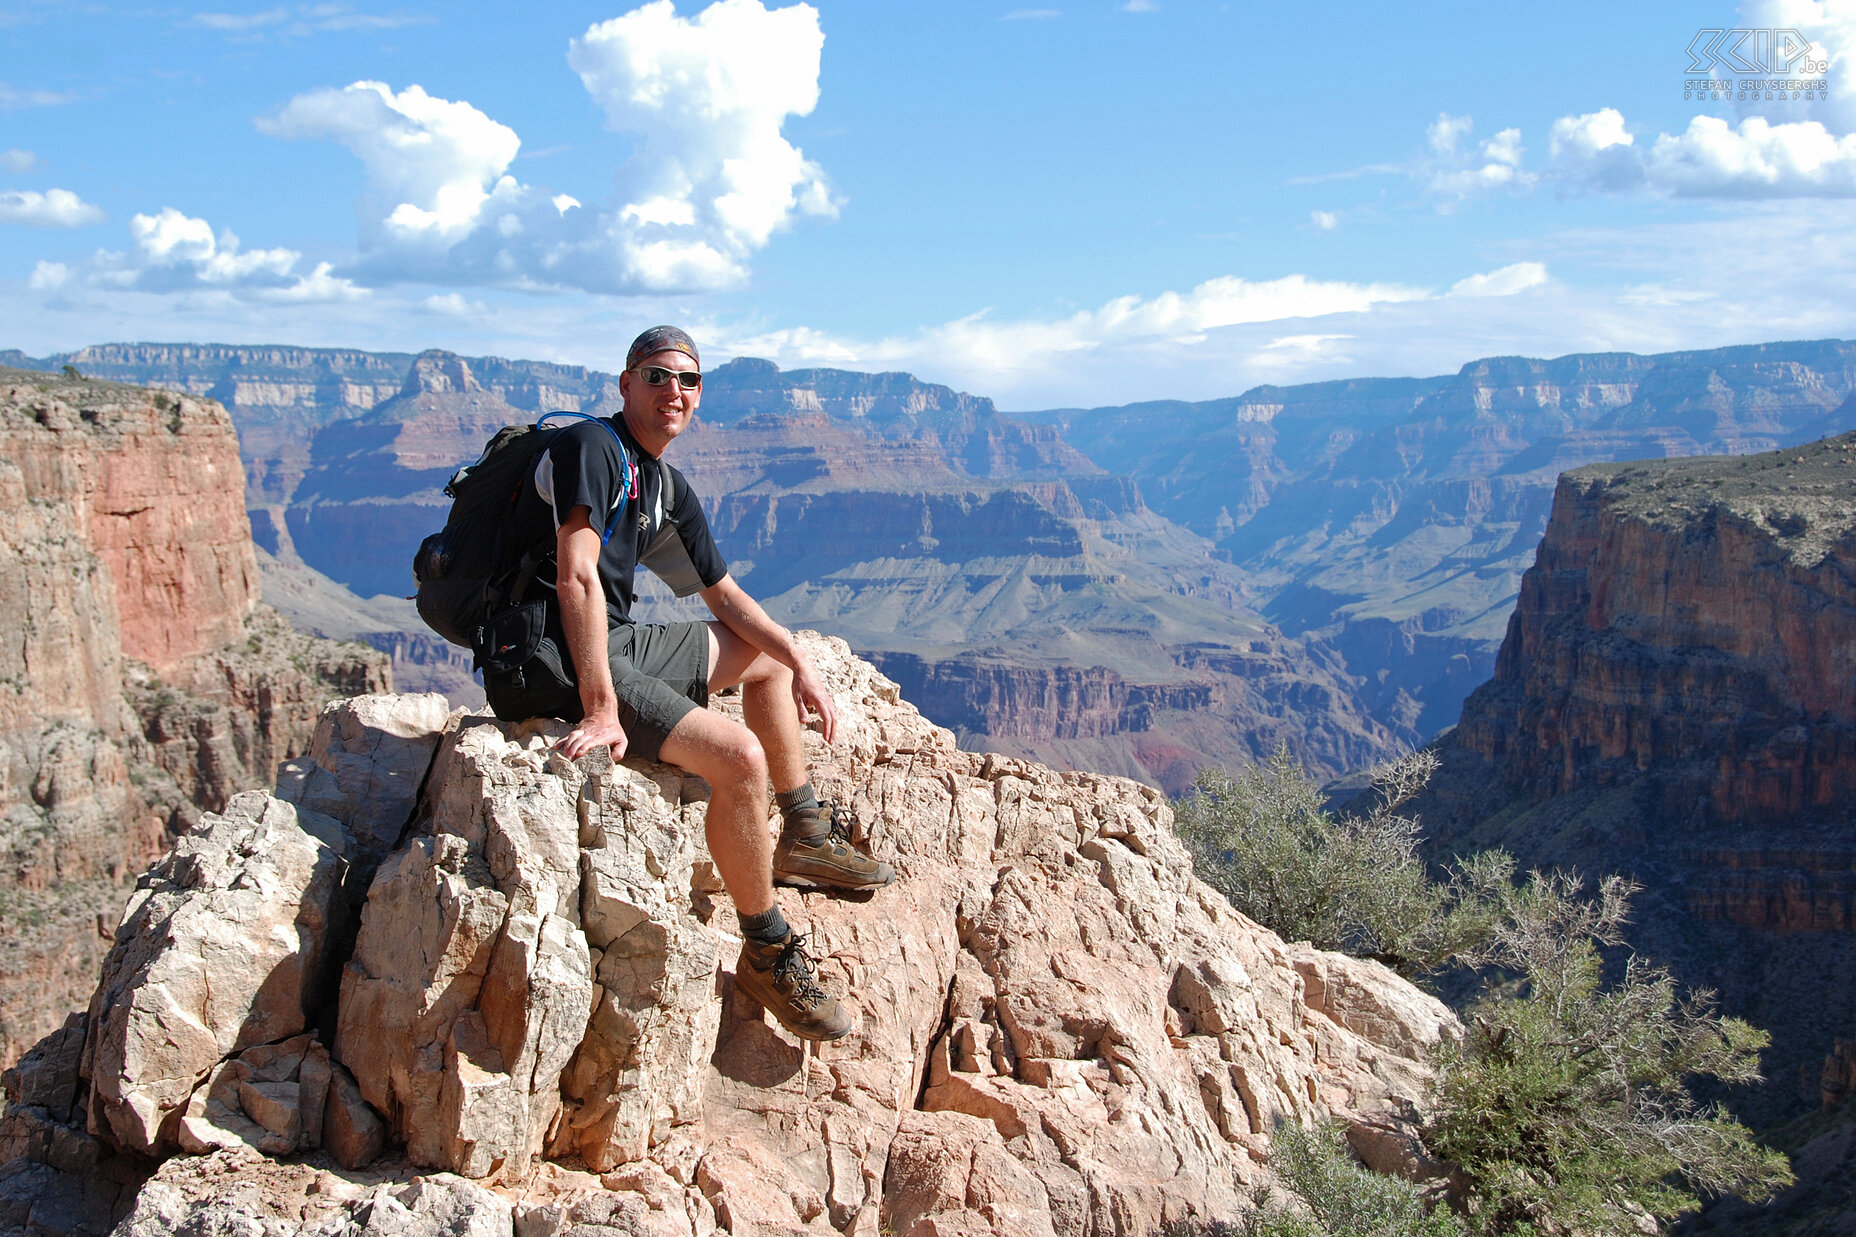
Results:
810 696
600 729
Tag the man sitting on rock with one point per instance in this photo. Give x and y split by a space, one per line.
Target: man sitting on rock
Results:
641 687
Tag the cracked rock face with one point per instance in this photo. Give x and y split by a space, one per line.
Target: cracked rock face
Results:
1058 1028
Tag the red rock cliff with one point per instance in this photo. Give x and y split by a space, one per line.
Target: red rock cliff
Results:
1695 620
141 680
1676 700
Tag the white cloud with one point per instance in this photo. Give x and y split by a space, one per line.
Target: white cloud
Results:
241 22
432 164
1830 28
55 208
1507 281
1222 327
48 276
711 178
17 160
1141 6
301 20
1326 220
1796 144
1456 173
176 252
1711 159
453 305
1756 160
12 99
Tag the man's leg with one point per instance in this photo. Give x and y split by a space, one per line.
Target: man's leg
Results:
766 703
810 853
731 760
773 969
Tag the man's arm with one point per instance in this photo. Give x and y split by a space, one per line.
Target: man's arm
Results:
583 615
742 615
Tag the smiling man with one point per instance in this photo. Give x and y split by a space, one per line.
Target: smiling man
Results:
641 688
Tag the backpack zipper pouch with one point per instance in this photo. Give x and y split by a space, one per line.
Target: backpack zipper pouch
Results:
517 643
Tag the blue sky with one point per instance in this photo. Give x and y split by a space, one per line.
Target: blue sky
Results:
1069 203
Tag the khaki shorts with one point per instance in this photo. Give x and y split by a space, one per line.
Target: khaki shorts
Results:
660 670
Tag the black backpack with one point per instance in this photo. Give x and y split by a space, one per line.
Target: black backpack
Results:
472 570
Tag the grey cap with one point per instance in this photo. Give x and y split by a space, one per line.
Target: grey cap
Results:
660 339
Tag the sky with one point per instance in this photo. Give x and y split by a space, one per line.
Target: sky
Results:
1072 204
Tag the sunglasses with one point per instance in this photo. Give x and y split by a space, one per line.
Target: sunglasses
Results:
657 376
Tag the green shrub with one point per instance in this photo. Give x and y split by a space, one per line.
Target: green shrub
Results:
1566 1106
1339 1197
1350 883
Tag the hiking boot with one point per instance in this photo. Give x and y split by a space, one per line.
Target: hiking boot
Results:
781 980
831 862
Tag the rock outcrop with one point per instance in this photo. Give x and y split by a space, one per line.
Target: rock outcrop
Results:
1058 1028
1676 699
145 682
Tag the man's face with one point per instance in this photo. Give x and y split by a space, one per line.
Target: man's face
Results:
658 414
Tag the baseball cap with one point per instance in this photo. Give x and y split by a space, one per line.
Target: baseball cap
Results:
659 339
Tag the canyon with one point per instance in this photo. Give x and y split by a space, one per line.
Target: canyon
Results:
143 682
1327 566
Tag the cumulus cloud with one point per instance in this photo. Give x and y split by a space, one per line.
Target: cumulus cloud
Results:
17 160
432 164
1326 220
55 208
176 252
711 177
1457 172
1710 159
1780 144
48 276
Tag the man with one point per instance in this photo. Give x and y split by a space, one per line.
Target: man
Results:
641 688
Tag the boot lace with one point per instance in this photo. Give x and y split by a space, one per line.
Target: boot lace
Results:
838 818
794 966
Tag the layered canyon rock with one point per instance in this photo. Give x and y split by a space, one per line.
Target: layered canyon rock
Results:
1390 519
910 519
146 682
1378 527
1676 699
1058 1028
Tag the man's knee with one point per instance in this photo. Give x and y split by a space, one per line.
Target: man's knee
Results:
723 752
768 671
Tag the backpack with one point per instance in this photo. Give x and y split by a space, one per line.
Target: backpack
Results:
472 570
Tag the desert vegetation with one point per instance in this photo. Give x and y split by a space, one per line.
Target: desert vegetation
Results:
1566 1106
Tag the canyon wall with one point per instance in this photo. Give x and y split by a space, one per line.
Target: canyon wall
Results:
144 681
1391 519
1676 699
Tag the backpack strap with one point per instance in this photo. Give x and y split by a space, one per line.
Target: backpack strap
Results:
542 551
628 479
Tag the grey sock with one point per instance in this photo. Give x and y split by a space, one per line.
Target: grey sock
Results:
767 928
802 798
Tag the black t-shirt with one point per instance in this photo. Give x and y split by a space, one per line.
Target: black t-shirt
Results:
661 524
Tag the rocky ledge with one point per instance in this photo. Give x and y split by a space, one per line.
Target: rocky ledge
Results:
440 980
